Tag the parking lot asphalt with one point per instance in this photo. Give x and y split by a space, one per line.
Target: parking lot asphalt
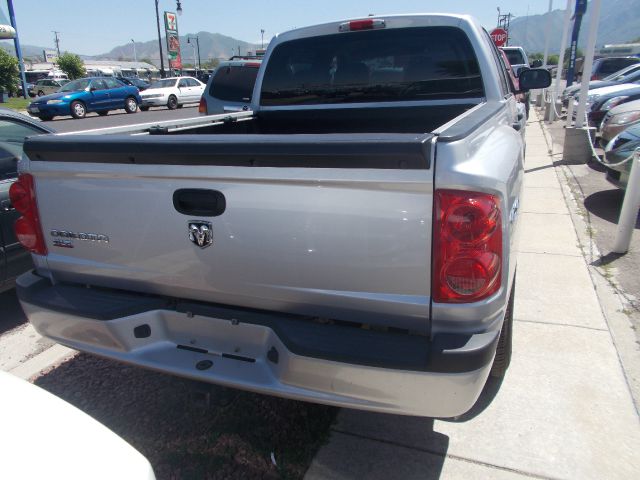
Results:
565 408
119 118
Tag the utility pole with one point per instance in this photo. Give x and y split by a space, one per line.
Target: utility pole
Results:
135 57
504 21
262 34
199 64
162 74
57 41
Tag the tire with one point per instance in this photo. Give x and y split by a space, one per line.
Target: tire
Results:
40 93
45 118
130 105
172 103
505 342
78 109
144 109
103 113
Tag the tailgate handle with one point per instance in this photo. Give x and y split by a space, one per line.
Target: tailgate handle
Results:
199 201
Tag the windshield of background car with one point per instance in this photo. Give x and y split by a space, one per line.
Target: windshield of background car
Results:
12 136
515 57
75 85
622 74
167 83
234 83
422 63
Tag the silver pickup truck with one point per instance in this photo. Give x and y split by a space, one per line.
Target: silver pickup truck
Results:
350 241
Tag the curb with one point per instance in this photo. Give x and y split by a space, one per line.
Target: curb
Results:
612 303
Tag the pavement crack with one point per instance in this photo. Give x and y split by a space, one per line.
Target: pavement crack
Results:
562 324
445 455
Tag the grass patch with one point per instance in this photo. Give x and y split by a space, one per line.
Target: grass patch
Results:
16 103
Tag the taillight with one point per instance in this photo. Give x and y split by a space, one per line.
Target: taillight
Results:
366 24
202 106
467 247
22 194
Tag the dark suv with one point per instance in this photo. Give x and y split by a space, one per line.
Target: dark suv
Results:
603 67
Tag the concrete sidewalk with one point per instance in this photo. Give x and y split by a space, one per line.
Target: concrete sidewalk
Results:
564 410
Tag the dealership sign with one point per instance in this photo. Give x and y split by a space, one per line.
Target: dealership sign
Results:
499 37
173 39
7 32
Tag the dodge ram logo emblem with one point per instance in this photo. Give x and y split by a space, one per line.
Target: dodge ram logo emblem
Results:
201 233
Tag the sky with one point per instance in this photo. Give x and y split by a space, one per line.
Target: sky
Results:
90 27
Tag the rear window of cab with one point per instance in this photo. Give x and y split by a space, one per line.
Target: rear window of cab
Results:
419 63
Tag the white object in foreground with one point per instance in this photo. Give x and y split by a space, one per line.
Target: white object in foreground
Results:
45 437
630 206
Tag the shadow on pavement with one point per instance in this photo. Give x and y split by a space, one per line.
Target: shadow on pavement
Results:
11 314
489 392
374 446
606 204
232 438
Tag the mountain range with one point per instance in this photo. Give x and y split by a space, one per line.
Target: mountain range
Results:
618 24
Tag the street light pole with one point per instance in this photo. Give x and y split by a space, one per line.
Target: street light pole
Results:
262 36
162 74
12 18
135 57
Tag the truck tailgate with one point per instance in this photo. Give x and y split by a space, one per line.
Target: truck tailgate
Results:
336 226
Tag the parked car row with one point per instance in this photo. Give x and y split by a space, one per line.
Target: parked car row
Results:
613 107
103 94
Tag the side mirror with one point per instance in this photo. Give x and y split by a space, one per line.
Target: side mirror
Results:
534 78
536 63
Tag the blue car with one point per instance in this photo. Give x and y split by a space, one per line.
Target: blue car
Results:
78 97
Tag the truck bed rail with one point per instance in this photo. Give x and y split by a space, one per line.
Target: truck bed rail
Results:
168 126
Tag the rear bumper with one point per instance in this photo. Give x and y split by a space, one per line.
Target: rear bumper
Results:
277 354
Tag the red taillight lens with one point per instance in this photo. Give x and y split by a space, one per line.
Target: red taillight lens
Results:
467 255
20 197
202 106
365 24
22 194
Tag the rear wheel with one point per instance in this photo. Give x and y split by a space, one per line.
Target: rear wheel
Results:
78 109
505 342
40 93
130 105
144 109
45 118
172 103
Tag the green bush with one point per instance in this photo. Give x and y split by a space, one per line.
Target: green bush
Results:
9 72
72 65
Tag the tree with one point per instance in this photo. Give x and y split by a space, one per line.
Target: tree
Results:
553 59
567 55
72 65
8 72
146 60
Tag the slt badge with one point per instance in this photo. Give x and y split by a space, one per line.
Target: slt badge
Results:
200 233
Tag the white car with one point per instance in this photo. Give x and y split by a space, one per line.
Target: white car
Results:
173 92
45 437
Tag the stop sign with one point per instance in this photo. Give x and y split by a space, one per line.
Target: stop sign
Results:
499 36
